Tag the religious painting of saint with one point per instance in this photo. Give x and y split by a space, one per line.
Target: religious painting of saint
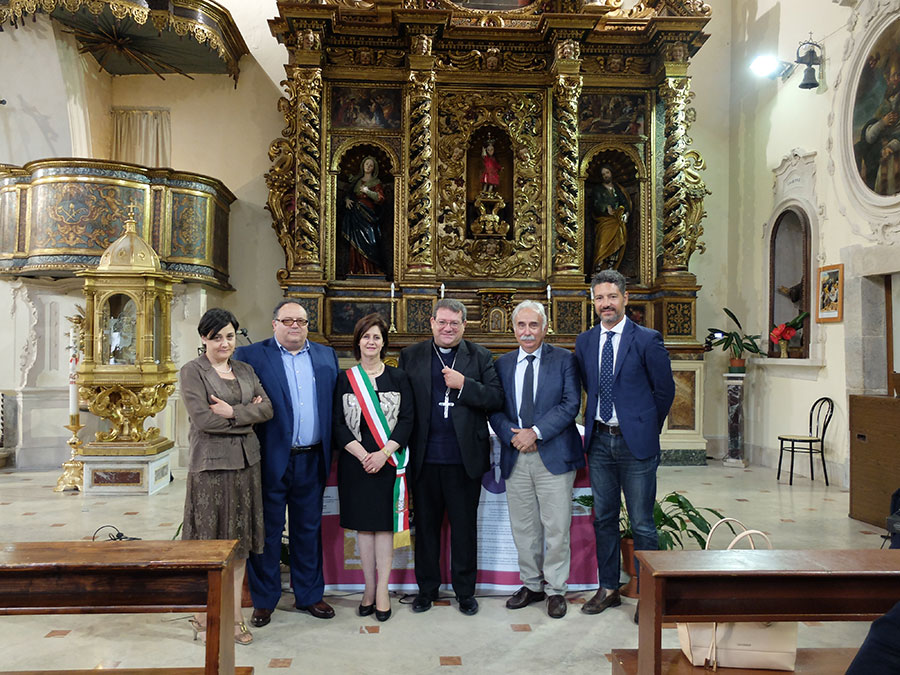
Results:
876 115
620 114
365 108
344 315
364 214
830 303
611 221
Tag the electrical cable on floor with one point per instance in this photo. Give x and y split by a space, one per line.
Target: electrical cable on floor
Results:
118 536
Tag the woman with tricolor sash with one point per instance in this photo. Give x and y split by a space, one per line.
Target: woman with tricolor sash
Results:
373 427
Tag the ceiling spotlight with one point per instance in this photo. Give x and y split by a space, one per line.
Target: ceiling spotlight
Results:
768 65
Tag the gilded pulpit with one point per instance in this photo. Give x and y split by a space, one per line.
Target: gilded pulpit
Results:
492 150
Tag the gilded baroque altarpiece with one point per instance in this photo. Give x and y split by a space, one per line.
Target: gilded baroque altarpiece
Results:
488 150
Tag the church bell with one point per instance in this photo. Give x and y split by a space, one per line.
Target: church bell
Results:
809 78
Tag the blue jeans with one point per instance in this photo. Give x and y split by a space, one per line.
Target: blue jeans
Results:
613 470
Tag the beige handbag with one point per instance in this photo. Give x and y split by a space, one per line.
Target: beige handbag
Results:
768 645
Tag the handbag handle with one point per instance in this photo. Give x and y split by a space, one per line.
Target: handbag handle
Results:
720 522
712 657
748 534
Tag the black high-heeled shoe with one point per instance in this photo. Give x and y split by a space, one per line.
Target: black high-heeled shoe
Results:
383 616
366 610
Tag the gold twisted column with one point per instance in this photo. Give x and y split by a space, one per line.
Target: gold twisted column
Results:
293 181
683 189
420 202
565 106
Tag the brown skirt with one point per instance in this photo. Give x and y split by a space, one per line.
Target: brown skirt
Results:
226 504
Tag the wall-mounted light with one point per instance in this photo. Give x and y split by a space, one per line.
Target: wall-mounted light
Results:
769 65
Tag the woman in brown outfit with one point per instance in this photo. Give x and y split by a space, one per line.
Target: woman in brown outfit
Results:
223 500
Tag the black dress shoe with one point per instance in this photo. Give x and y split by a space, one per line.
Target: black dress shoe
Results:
637 608
603 599
422 603
524 597
320 610
468 605
366 610
556 607
261 617
383 616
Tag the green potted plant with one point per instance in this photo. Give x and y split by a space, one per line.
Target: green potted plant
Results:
675 518
735 341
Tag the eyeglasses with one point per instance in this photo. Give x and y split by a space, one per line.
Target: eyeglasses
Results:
452 324
291 322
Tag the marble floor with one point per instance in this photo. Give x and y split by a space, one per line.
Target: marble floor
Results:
806 515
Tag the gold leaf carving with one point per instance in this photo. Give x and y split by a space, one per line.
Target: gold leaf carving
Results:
565 111
519 114
293 180
421 91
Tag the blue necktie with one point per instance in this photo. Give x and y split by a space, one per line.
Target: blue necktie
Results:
606 378
526 406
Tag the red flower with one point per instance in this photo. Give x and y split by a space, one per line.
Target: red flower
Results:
782 332
777 333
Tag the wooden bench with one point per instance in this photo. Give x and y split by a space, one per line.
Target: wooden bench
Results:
107 577
758 585
810 661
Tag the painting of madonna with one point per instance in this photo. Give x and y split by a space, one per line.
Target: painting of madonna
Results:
364 204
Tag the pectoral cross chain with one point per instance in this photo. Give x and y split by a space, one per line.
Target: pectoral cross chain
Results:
446 404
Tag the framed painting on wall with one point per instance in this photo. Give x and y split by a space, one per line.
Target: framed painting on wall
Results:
830 294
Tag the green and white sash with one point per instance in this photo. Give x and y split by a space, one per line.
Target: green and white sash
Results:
378 425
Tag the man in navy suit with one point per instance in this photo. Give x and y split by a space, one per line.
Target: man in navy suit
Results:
627 374
299 377
540 450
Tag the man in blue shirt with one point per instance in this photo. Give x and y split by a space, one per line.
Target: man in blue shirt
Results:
299 377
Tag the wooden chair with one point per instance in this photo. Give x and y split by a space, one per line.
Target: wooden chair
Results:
813 443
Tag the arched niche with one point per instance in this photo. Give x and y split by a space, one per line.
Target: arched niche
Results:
489 142
792 255
364 211
790 277
617 230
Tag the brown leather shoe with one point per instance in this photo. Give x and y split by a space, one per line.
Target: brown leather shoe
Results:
261 617
603 599
320 610
524 597
556 607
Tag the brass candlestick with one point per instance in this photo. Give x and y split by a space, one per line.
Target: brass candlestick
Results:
393 328
549 318
73 471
